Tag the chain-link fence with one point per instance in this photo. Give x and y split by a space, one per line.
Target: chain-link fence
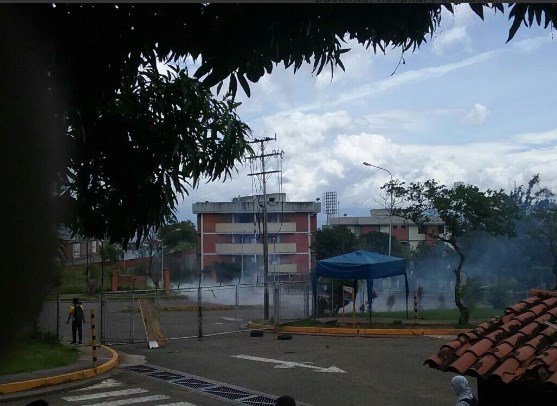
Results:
194 311
200 311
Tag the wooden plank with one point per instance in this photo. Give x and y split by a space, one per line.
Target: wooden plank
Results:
151 322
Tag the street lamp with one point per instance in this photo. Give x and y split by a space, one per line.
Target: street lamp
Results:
391 193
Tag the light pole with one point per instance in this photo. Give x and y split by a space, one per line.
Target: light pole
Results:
242 258
391 193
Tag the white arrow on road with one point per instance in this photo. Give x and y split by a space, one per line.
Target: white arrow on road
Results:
289 364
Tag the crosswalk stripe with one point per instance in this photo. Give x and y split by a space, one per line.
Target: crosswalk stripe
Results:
130 401
100 395
177 404
107 383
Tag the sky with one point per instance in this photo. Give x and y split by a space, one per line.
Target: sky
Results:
466 106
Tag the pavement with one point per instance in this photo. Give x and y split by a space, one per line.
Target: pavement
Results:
30 384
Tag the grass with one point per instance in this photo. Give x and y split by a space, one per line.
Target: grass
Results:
477 315
439 318
30 355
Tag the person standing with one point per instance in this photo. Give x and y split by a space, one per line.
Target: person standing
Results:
78 318
462 389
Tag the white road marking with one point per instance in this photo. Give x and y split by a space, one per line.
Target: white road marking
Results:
231 319
177 404
107 383
218 323
130 401
101 395
289 364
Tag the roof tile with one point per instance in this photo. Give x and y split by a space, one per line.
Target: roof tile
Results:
521 344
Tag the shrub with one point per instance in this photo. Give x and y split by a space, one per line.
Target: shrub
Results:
472 292
499 295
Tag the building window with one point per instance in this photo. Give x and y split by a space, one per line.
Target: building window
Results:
76 250
404 242
395 226
421 229
93 247
403 226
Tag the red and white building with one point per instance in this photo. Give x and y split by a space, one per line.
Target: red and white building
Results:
231 232
405 231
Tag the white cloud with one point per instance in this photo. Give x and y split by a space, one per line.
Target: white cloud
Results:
407 78
455 32
537 138
477 115
325 152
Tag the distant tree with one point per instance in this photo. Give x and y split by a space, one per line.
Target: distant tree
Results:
545 216
376 241
149 247
181 234
463 209
330 242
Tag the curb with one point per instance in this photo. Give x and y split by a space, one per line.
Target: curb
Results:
360 332
370 332
14 387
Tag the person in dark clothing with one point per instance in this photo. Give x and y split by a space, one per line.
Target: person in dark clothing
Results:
78 318
285 401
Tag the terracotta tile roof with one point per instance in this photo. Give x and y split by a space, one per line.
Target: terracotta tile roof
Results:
519 345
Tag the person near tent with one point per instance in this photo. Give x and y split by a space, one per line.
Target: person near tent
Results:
462 389
77 315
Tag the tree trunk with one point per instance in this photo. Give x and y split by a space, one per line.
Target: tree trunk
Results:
152 273
464 311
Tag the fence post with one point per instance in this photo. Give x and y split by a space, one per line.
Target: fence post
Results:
101 316
276 304
94 338
131 320
237 308
306 300
415 307
199 309
58 315
332 299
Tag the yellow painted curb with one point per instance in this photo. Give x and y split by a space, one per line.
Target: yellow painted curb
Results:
13 387
362 332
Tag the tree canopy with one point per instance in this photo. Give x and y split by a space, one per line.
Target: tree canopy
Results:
138 138
464 209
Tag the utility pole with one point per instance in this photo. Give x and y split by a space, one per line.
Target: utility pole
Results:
262 157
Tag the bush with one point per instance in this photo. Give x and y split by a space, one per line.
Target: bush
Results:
472 292
500 295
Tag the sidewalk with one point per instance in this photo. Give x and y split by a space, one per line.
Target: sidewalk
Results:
16 385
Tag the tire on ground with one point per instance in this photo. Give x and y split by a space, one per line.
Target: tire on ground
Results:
256 333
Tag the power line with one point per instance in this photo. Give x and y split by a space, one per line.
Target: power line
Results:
262 175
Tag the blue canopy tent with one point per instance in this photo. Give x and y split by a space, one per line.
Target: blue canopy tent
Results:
360 265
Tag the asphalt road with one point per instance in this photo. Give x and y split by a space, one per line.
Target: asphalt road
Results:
376 371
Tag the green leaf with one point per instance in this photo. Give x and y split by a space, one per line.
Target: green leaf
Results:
244 84
478 8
